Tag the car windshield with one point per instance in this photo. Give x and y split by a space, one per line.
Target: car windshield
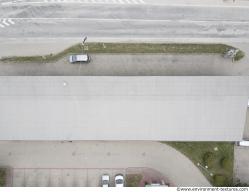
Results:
119 181
74 58
105 182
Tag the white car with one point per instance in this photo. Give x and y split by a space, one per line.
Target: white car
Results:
105 180
243 143
119 180
79 58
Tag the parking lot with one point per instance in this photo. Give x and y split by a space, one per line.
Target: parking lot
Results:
81 163
33 177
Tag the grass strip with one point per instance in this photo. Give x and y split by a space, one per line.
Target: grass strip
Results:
130 48
220 164
133 180
2 177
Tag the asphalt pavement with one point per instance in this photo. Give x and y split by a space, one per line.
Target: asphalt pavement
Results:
241 164
98 155
61 177
132 65
127 20
246 130
66 22
45 26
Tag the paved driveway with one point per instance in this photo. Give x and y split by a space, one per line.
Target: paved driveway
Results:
28 156
241 164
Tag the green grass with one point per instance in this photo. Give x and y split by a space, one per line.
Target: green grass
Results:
2 177
222 171
129 48
239 55
133 180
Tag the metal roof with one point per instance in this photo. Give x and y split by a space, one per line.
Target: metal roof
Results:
207 108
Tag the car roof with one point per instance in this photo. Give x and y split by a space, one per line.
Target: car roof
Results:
82 57
105 177
119 177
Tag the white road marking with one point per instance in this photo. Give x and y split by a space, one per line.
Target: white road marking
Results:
6 3
75 1
5 22
135 1
132 39
130 19
10 21
141 1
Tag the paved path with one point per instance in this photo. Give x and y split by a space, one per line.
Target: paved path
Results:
102 154
246 131
241 164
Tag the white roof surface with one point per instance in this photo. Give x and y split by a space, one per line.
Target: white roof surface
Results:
82 57
123 108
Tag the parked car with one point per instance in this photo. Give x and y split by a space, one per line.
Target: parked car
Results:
84 58
243 143
156 185
105 180
119 180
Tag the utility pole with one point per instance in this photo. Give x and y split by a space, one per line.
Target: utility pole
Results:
84 47
84 40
